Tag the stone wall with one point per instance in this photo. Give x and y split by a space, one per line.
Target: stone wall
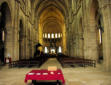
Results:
84 43
90 27
20 10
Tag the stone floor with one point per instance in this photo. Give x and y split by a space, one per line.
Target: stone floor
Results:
73 76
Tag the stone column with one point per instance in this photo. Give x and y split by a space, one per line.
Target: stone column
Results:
92 41
15 44
9 42
85 26
16 33
80 41
26 39
30 48
69 39
106 11
67 35
22 43
91 48
90 38
33 35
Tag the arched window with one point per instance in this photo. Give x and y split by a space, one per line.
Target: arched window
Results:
60 49
45 35
45 50
52 35
59 35
55 35
100 36
48 35
100 28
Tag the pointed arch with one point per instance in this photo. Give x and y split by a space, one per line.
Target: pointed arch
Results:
6 31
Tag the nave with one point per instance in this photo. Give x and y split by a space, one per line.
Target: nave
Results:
73 76
79 29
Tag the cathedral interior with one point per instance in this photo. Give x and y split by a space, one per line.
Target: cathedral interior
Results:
73 35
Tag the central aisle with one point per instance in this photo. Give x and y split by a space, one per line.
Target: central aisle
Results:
51 62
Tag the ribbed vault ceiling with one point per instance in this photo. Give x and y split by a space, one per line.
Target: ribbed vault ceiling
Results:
51 14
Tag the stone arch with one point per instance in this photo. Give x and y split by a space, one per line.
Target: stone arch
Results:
39 13
40 7
60 5
9 5
6 31
93 8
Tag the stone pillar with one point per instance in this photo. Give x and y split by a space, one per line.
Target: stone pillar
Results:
22 44
26 44
106 10
32 49
33 44
80 45
9 42
85 27
15 45
67 34
21 48
91 48
69 39
63 44
90 38
16 33
27 48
